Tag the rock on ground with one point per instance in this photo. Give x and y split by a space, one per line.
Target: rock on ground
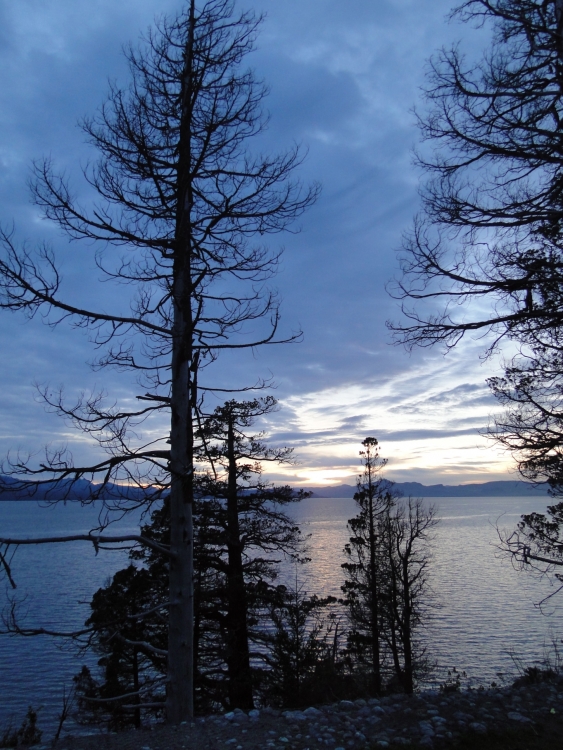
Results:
428 720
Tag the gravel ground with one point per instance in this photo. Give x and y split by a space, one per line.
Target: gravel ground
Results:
426 720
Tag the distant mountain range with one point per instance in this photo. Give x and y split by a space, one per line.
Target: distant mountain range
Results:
83 489
415 489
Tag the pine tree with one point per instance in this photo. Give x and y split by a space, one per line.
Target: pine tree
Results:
241 534
366 569
386 590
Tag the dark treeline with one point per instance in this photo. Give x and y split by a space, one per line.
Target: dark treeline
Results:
259 641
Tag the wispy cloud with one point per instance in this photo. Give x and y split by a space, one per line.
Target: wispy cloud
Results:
343 78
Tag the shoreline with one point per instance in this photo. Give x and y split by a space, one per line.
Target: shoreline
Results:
424 720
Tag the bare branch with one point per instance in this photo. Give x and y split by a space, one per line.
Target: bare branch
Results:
94 539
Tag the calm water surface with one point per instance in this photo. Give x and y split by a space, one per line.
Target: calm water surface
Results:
485 610
54 586
485 613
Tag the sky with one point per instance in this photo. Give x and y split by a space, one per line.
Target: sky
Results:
343 79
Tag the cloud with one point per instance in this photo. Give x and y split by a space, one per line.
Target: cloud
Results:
422 434
343 78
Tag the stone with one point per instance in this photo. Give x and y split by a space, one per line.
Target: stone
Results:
461 715
426 728
229 716
374 720
294 715
476 726
254 714
312 711
515 716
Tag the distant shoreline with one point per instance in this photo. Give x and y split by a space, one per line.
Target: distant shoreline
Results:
416 489
509 488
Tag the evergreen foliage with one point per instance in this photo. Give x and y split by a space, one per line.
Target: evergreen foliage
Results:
129 615
28 734
302 655
386 590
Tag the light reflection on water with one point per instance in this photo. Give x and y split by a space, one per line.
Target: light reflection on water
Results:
485 610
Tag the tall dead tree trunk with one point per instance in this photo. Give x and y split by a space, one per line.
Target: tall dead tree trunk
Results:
179 694
408 672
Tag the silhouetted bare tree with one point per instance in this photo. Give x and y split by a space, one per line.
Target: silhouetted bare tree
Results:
181 194
484 254
407 598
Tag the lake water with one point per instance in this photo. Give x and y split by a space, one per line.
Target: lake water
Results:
485 615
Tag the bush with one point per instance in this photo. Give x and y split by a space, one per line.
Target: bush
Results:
452 683
536 675
28 734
